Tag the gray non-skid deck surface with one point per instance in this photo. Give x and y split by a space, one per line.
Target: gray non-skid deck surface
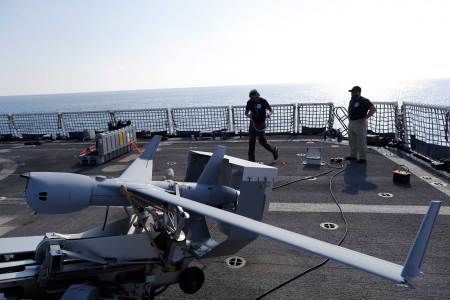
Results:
269 263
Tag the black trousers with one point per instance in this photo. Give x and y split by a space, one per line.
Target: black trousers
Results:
253 133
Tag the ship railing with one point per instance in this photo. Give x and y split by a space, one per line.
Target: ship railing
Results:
206 119
7 125
386 120
426 129
422 128
282 120
155 120
314 118
385 123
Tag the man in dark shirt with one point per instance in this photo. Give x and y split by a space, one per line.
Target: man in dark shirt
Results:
360 110
258 109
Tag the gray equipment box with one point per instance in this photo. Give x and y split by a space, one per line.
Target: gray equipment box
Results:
313 156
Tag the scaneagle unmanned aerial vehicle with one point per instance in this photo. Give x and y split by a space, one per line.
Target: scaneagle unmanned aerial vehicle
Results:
157 244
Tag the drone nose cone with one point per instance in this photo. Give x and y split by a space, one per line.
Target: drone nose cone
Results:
54 193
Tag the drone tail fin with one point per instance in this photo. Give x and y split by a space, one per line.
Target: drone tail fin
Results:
141 169
211 171
417 251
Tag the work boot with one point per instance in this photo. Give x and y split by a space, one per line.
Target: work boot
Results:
275 153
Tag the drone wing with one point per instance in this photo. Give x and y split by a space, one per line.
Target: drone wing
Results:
364 262
141 169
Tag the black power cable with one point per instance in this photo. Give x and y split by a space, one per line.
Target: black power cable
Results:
344 219
303 178
106 218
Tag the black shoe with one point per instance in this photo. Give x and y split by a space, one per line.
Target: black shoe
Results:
350 158
275 153
361 161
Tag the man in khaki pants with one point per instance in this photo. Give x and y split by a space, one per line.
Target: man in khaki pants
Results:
360 110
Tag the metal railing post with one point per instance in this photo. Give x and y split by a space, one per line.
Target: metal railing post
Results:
230 119
112 115
447 129
404 127
170 118
234 121
61 125
331 117
447 123
398 125
13 127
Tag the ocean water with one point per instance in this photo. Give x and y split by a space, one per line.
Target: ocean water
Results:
436 92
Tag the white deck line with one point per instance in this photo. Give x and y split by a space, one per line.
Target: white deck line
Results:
354 208
5 229
7 167
4 220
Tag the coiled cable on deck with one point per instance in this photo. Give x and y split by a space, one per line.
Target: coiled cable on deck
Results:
344 219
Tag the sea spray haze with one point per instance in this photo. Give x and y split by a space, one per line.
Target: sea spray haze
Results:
435 91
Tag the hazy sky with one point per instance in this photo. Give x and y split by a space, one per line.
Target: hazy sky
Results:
73 46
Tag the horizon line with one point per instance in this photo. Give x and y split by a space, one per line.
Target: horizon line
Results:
209 86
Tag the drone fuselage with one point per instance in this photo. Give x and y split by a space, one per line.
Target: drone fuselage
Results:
57 193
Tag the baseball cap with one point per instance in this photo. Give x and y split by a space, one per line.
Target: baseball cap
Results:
355 88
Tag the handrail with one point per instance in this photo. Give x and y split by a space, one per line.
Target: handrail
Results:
342 115
407 103
421 127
